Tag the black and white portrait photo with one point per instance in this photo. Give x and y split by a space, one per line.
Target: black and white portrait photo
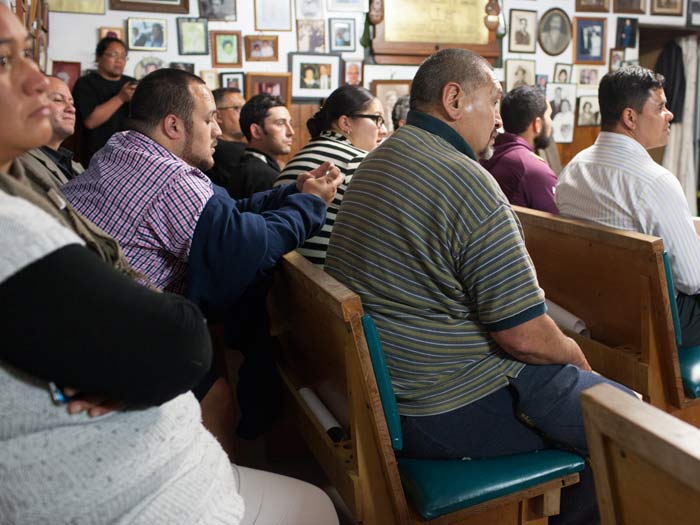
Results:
554 32
522 35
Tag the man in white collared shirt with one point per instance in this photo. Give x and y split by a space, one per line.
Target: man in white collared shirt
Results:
615 182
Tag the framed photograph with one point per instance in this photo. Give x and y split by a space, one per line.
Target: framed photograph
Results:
353 72
389 91
83 7
147 34
562 73
626 34
218 10
261 48
114 32
233 79
341 34
359 6
588 76
593 6
630 6
210 77
519 73
277 84
541 82
554 32
617 56
521 38
147 65
153 6
310 9
588 111
694 13
185 66
311 36
226 48
69 72
273 15
589 40
192 36
314 75
562 98
667 7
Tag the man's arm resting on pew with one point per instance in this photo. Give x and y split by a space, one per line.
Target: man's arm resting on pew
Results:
540 342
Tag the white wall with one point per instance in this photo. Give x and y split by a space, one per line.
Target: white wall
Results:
73 37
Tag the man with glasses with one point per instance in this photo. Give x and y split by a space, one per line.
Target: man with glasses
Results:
230 147
102 98
267 125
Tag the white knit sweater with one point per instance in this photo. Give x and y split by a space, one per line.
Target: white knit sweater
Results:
153 466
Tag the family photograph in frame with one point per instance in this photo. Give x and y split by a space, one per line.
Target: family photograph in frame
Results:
562 99
210 77
522 37
667 7
275 84
589 40
562 73
341 34
554 32
593 6
588 111
389 92
617 57
233 79
311 36
218 10
154 6
147 34
147 65
626 34
192 36
314 75
310 9
587 76
69 72
226 48
261 48
519 73
353 72
693 19
184 66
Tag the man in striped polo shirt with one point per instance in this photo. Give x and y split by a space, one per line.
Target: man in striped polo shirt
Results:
428 240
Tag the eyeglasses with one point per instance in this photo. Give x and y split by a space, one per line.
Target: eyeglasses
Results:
114 54
234 108
378 119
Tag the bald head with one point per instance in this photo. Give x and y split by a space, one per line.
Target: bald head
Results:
62 112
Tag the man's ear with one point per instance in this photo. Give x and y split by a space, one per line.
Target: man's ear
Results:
452 100
256 131
629 118
172 127
537 125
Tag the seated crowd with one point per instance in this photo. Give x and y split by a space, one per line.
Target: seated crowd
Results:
178 221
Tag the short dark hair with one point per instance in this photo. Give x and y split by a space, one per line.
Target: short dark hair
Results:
161 93
104 43
447 65
346 100
520 107
220 94
255 111
628 87
400 110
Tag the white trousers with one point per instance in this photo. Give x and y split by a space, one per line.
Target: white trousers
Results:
271 499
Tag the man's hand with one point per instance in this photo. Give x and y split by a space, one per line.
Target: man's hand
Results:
127 91
322 182
96 406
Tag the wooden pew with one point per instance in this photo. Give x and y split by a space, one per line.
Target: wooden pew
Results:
614 280
318 321
646 463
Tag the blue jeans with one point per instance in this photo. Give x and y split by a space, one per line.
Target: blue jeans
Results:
549 396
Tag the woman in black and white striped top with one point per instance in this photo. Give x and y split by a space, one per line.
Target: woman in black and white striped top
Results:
347 127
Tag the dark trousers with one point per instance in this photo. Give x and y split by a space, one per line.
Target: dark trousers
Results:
689 317
549 398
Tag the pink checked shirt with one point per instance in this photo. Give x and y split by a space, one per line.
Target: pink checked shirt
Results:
148 199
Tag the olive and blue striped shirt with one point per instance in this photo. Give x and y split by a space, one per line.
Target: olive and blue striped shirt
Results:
427 239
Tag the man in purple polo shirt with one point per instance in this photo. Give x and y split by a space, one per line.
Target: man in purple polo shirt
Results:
525 178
